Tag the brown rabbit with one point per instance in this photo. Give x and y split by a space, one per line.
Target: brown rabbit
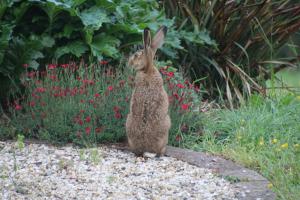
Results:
148 122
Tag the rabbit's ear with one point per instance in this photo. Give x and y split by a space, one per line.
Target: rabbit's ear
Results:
147 38
159 37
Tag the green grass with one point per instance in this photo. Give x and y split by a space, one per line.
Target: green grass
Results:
263 135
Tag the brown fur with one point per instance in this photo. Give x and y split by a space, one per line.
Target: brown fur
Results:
148 122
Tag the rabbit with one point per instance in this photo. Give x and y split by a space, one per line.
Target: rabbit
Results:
148 122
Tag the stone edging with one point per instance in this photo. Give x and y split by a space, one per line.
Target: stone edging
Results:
250 181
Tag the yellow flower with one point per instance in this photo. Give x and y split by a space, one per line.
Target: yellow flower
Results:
298 97
284 146
261 141
297 146
274 141
270 185
243 122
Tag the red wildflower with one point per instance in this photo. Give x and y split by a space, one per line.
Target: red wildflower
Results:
31 103
64 66
88 82
31 74
91 101
82 111
179 85
82 101
122 83
52 66
97 95
18 107
178 138
87 130
88 119
43 103
40 89
25 66
185 106
170 74
80 122
103 62
110 88
98 129
176 96
118 115
116 109
53 77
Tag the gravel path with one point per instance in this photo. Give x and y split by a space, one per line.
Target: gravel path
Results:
39 171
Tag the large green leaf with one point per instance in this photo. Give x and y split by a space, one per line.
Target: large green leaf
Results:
5 36
105 45
94 17
76 48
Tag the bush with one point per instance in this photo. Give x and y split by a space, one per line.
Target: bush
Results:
89 103
40 31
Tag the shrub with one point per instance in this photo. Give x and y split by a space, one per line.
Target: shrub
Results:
40 31
89 103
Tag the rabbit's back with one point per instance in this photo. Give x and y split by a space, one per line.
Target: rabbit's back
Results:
148 122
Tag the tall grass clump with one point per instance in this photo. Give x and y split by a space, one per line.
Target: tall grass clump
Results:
234 45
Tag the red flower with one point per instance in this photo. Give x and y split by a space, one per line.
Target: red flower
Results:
87 130
53 77
118 115
179 85
64 66
88 82
25 66
110 88
31 103
40 89
98 129
116 109
31 74
170 74
43 103
97 95
185 106
122 83
103 62
91 101
80 122
18 107
82 111
52 66
178 138
82 101
176 96
88 119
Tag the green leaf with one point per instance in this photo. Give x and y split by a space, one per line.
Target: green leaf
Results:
6 32
94 17
47 41
76 48
105 44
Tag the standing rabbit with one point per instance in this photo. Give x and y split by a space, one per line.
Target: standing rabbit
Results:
148 122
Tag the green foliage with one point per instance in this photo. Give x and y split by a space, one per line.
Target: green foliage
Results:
263 135
38 31
234 44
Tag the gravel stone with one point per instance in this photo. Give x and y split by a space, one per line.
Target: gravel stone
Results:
41 171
